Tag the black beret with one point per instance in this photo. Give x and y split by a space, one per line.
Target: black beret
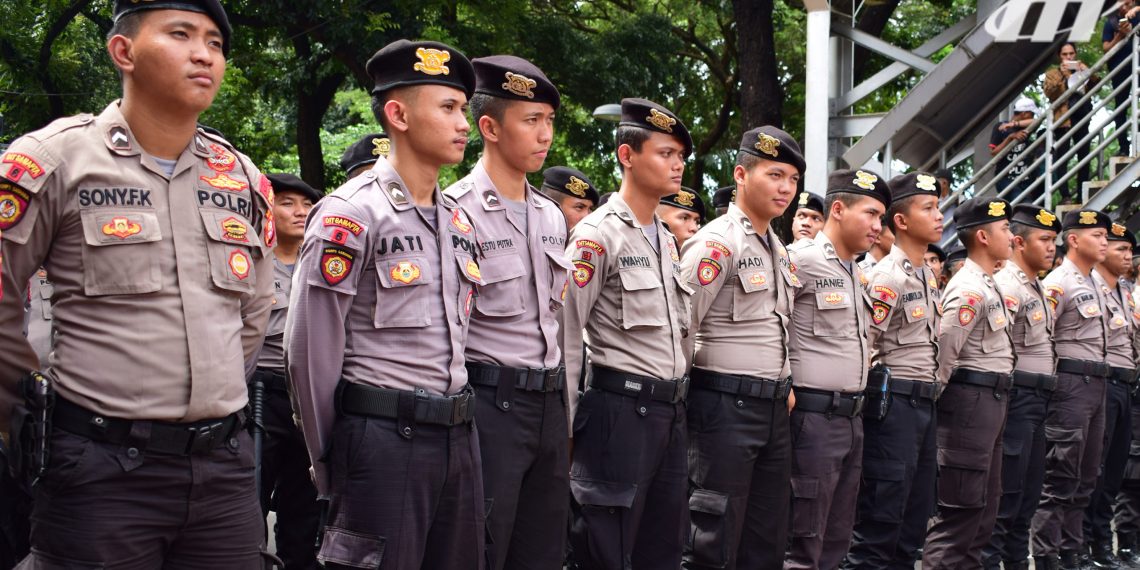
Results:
724 196
645 114
914 184
513 77
771 143
211 8
1035 217
933 248
569 181
287 182
686 199
365 151
809 201
1081 219
1119 232
606 198
402 63
956 254
859 182
977 211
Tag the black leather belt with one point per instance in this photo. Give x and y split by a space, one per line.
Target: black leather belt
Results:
998 381
1034 381
1083 367
530 379
740 385
361 400
272 379
637 386
163 437
845 404
1123 375
914 389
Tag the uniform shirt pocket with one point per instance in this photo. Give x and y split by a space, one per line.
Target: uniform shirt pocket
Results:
755 298
642 301
120 256
560 268
502 294
401 296
914 329
832 317
993 336
232 242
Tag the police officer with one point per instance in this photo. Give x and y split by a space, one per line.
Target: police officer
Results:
513 354
1074 423
575 194
1127 508
628 472
829 353
722 198
879 249
740 448
286 487
1110 277
899 446
375 339
359 157
935 259
161 310
1023 440
683 213
808 219
37 320
975 355
954 261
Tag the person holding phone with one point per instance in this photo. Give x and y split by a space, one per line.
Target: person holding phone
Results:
1068 74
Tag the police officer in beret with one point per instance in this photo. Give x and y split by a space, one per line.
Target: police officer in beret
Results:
1074 424
513 354
1109 275
683 213
1127 507
575 194
628 474
808 219
158 235
1034 378
935 259
722 198
740 445
285 485
388 269
954 261
829 352
359 157
899 446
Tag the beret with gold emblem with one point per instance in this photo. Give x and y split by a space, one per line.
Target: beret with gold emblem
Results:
569 181
977 211
771 143
289 183
1119 232
724 196
645 114
914 184
809 201
1035 217
686 199
513 77
859 181
211 8
1084 219
365 151
403 63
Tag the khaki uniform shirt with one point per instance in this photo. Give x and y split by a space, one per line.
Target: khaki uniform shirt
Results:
1120 323
162 283
628 302
526 274
1078 309
829 348
37 321
742 299
272 354
905 301
1032 316
381 296
975 332
1130 297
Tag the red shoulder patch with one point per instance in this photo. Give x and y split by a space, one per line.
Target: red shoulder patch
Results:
13 205
336 264
583 273
20 164
708 270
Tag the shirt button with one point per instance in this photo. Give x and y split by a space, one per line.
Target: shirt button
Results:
642 410
233 443
407 431
506 405
132 453
740 403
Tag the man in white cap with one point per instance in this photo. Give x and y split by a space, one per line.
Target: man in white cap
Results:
1013 133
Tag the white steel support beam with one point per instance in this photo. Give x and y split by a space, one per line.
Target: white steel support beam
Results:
816 97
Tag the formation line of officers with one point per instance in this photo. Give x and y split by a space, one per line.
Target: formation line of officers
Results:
446 376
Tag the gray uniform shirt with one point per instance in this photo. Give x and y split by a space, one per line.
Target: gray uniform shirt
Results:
525 271
742 298
37 321
829 348
1032 320
975 331
1120 325
162 284
1078 309
905 301
628 303
379 298
273 350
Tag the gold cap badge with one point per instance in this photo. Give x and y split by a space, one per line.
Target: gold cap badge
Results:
1046 218
432 61
577 186
926 182
997 209
768 144
520 85
1118 230
661 120
381 147
865 180
1087 218
804 197
685 198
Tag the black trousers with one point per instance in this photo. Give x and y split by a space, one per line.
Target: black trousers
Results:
740 465
526 478
1122 99
628 483
15 510
1022 473
1127 508
1117 441
898 494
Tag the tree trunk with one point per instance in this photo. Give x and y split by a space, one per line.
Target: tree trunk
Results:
761 97
873 20
313 101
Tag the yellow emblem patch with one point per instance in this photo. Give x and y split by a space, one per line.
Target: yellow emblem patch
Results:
520 85
577 186
381 147
685 198
865 180
473 270
432 61
804 197
239 264
767 144
926 182
405 272
997 209
1046 218
1118 230
661 120
121 228
1088 218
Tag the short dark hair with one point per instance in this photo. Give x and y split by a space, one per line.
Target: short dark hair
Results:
635 137
482 104
380 99
848 199
1021 230
899 207
968 237
127 26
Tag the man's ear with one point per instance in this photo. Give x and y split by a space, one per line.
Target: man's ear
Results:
122 55
624 152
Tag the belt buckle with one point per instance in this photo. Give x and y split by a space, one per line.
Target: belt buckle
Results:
459 406
756 388
202 437
682 389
